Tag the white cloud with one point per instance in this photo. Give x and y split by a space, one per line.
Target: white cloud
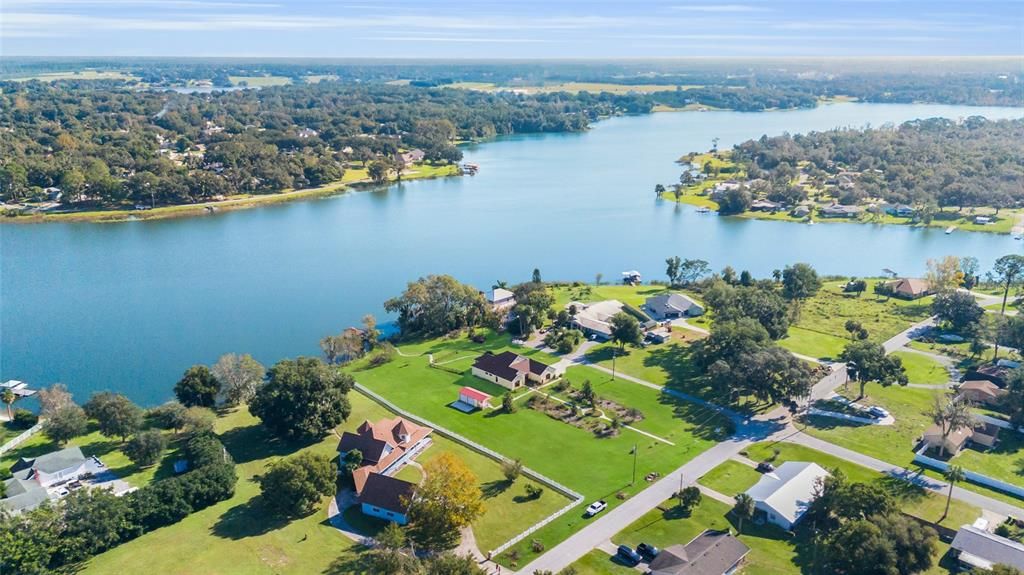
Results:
732 8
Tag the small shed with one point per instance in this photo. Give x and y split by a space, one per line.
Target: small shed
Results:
474 398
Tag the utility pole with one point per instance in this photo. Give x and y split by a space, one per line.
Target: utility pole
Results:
615 353
634 465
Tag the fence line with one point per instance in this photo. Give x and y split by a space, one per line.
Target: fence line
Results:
21 438
577 498
971 476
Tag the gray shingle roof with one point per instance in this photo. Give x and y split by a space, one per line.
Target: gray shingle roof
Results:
989 546
710 553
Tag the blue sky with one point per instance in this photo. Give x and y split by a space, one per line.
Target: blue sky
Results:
511 29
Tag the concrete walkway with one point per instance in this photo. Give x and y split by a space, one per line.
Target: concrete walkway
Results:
341 501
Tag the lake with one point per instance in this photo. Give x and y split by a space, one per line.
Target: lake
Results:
129 306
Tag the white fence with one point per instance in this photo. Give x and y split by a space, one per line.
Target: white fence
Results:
577 498
971 476
21 438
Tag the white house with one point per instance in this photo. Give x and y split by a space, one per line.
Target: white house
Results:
31 479
783 496
592 319
511 370
500 298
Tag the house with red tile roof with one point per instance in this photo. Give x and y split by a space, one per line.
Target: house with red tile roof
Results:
384 445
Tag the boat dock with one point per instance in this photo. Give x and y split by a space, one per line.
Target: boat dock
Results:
950 229
20 389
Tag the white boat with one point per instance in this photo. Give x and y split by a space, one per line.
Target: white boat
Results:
950 229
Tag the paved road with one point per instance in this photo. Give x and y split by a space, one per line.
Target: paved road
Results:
910 475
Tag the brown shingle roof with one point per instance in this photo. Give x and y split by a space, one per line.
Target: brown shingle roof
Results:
710 553
386 492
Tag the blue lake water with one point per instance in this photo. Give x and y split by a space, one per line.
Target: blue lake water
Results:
129 306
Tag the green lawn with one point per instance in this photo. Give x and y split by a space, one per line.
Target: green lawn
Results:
813 343
261 81
7 433
771 550
960 352
829 310
922 369
730 478
410 473
597 468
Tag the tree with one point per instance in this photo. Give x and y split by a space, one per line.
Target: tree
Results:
198 387
353 460
8 397
437 305
659 189
855 329
969 267
959 310
688 497
533 302
146 447
944 275
346 346
447 500
450 564
692 270
508 403
29 541
391 537
866 361
171 415
511 468
743 509
239 376
303 399
295 486
535 278
881 545
371 335
953 475
759 302
65 424
734 201
198 420
1008 269
674 264
587 394
116 415
800 282
53 398
950 415
378 171
625 329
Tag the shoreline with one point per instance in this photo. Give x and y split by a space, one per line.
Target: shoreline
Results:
226 205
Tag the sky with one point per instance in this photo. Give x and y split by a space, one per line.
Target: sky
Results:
511 29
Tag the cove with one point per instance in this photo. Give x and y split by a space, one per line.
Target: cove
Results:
129 306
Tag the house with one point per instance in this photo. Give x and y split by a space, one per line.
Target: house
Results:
474 398
764 206
308 133
658 335
30 478
907 288
996 373
511 370
981 391
387 498
412 156
899 210
783 496
982 220
632 278
500 298
983 434
672 305
592 319
839 211
801 211
710 553
384 445
976 548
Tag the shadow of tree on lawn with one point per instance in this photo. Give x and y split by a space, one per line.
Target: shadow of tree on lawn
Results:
249 519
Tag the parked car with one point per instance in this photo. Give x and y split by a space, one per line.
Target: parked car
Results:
765 467
878 412
595 508
646 551
628 556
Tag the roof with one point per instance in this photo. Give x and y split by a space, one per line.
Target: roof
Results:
22 495
499 294
386 492
595 316
373 439
789 489
474 394
508 365
956 438
982 387
52 462
911 286
984 549
670 301
710 553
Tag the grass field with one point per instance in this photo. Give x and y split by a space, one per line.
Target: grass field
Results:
813 343
570 87
595 467
597 562
828 311
922 369
237 536
730 478
80 75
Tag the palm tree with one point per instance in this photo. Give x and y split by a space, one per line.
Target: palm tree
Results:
950 416
500 284
953 474
744 508
8 398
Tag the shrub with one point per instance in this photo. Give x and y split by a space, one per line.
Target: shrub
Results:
295 486
511 469
23 419
145 448
537 546
533 492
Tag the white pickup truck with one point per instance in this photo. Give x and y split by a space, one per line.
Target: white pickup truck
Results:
595 508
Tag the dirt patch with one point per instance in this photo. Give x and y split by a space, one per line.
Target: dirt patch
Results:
586 419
